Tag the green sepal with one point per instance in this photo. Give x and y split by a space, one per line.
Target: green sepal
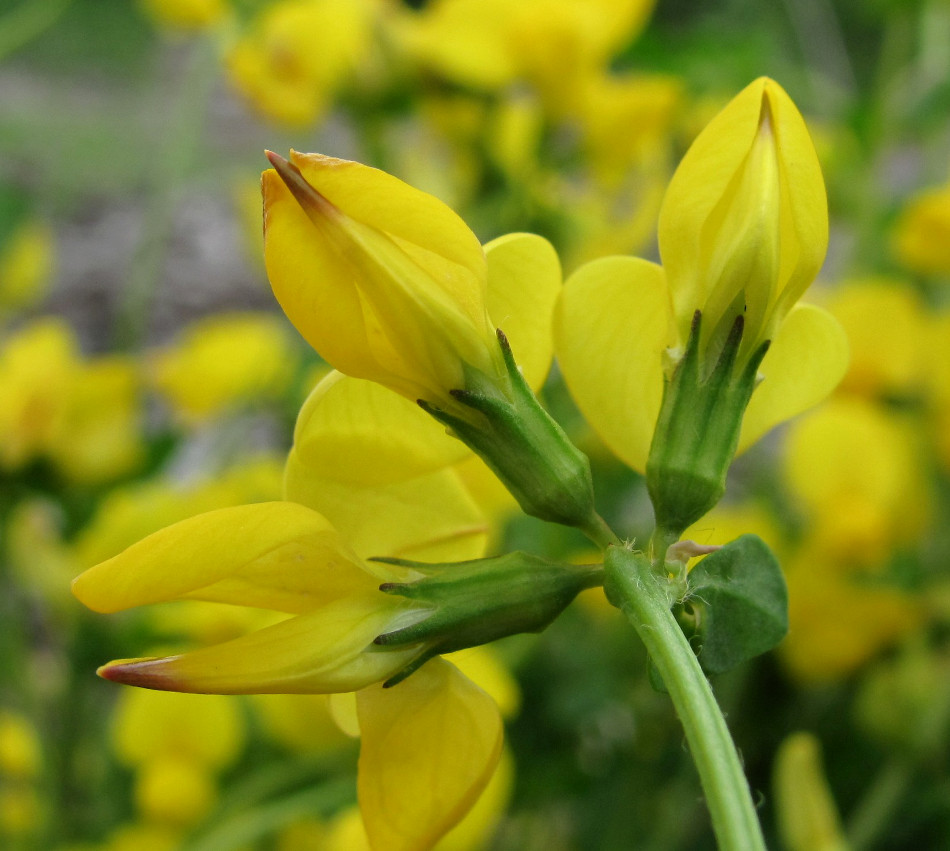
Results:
737 604
528 451
476 602
697 430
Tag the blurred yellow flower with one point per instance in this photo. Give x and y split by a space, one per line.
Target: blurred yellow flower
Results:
177 744
26 265
921 238
223 362
37 365
857 472
81 414
20 752
297 53
886 323
837 621
551 44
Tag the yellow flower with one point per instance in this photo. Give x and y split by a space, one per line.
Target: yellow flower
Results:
388 284
383 280
20 752
83 415
886 324
176 744
297 53
857 511
836 622
922 234
225 361
37 365
26 265
742 233
551 44
99 437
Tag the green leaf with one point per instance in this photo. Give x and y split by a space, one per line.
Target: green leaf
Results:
737 604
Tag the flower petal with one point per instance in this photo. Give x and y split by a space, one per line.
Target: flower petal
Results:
377 467
694 223
524 281
357 431
331 319
807 359
425 228
425 518
324 651
430 746
611 328
276 555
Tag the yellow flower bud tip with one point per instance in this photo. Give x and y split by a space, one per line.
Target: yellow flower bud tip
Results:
315 205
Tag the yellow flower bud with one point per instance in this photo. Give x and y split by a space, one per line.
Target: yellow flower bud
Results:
386 282
744 224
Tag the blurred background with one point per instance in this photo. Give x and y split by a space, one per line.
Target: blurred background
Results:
147 375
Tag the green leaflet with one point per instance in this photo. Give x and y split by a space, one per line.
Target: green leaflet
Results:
736 606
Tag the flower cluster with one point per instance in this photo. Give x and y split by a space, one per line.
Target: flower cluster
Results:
370 568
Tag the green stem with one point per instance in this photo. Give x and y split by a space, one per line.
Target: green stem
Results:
645 599
599 531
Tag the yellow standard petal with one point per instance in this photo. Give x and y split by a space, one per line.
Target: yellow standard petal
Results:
611 328
430 746
385 281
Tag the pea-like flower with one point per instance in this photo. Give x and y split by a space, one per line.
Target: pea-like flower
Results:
664 359
385 281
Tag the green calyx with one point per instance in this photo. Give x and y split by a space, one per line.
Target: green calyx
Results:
548 476
697 431
476 602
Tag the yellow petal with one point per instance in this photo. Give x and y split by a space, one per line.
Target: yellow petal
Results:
808 819
428 230
705 211
324 651
430 746
377 467
357 431
474 831
385 281
524 281
277 555
611 329
427 518
297 266
807 360
483 666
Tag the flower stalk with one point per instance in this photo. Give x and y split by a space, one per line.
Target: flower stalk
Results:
645 597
